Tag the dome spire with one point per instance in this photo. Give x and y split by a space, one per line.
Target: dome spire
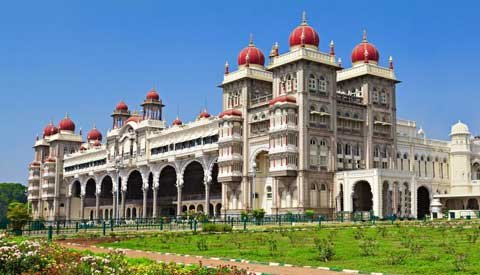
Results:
332 48
227 68
304 18
390 63
339 62
250 42
364 39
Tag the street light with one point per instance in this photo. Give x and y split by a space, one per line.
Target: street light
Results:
254 166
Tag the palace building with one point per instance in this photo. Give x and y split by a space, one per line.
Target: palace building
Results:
297 132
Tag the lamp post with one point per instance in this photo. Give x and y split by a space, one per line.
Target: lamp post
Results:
254 175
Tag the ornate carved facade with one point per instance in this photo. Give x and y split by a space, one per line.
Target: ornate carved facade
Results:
299 133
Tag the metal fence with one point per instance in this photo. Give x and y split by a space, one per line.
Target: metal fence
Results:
182 223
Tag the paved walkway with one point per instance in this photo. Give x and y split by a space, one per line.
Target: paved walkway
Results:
258 268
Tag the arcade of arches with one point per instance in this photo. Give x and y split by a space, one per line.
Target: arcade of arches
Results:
147 194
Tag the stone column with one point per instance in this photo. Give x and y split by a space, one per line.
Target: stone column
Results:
224 198
179 200
275 194
97 206
207 197
114 205
154 213
122 207
82 206
145 195
67 208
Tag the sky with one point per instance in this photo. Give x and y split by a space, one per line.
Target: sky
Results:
83 57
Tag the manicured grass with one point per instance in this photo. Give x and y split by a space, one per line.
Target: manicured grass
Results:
426 249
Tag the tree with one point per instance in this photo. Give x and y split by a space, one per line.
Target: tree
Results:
18 215
10 192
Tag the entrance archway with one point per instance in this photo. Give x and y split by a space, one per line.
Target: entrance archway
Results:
423 202
261 174
472 204
362 197
134 188
167 191
193 186
90 190
106 195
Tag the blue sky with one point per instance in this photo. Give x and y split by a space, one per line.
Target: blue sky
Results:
82 57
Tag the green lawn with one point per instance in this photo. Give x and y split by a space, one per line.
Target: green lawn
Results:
400 248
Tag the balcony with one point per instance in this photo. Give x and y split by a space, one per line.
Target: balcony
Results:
34 177
283 127
49 174
234 137
48 186
283 149
232 157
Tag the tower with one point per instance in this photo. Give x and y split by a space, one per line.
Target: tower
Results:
120 115
152 106
366 111
302 122
247 88
460 165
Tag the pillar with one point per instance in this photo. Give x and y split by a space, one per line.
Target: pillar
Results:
224 197
67 208
97 206
207 198
114 206
82 206
179 200
122 207
154 213
275 194
144 212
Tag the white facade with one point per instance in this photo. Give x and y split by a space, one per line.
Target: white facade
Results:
299 133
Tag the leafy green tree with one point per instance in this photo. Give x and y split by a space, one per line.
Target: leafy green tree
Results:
10 192
18 215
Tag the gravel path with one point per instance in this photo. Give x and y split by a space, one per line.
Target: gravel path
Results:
286 270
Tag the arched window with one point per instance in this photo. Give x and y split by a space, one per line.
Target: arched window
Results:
375 95
312 83
323 150
269 192
347 114
323 187
313 152
322 85
376 152
348 149
339 148
313 186
383 97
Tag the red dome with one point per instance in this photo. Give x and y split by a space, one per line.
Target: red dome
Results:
283 98
135 118
231 112
251 55
50 159
121 106
94 134
153 95
365 51
204 114
66 124
304 35
177 122
49 130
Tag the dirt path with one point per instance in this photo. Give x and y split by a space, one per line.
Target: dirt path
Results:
284 270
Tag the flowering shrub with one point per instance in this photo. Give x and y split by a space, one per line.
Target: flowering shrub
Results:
41 257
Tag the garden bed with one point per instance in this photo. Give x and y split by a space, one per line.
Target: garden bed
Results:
428 248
